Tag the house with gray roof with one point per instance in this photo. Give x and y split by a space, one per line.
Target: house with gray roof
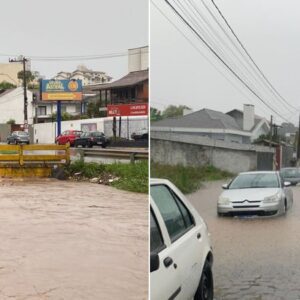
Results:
235 126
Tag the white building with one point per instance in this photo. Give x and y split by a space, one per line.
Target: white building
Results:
46 109
236 126
12 107
87 76
138 59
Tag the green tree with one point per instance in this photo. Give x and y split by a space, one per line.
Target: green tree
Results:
93 110
64 117
174 111
11 121
28 74
155 114
4 85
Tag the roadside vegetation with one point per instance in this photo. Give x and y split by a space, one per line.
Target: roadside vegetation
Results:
188 179
129 177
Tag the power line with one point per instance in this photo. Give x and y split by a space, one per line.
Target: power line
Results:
260 80
220 58
216 46
205 57
78 57
244 48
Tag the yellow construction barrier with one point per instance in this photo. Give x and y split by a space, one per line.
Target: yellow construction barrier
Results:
32 160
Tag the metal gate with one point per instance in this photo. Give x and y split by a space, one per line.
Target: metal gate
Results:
265 161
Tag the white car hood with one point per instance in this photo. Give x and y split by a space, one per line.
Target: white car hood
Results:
249 194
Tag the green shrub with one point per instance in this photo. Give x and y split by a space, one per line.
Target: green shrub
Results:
131 177
187 179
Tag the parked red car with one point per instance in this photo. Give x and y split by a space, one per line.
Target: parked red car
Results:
68 136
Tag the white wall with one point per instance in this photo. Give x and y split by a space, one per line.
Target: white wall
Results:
12 106
138 59
46 132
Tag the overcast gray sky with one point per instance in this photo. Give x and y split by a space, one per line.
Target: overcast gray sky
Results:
68 27
269 29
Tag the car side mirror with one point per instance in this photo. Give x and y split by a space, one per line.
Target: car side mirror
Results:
154 262
287 183
225 186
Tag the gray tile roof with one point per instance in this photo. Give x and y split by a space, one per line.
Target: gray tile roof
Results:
130 79
4 92
204 118
238 115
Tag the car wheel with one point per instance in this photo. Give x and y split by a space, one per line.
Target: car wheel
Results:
8 142
205 289
103 145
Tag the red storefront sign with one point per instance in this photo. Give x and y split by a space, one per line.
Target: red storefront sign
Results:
125 110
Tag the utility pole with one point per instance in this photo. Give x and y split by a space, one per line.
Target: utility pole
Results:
23 60
298 144
271 128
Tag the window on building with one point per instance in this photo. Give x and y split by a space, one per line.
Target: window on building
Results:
64 108
42 110
78 108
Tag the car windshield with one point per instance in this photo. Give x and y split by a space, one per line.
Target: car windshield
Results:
98 134
22 133
85 134
290 173
255 180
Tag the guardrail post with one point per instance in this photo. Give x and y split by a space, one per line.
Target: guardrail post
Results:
132 158
21 158
68 153
81 153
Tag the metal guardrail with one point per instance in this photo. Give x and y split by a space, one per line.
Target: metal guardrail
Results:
26 154
131 155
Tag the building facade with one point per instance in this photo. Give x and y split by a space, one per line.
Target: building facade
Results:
9 72
12 107
236 126
87 76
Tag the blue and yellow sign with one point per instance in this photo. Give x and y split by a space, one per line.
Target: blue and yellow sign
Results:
61 90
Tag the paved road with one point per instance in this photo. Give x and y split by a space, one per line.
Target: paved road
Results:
256 258
66 241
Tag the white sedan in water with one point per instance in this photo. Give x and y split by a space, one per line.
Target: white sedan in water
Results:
260 193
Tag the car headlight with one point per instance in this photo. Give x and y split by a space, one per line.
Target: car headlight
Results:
273 198
224 200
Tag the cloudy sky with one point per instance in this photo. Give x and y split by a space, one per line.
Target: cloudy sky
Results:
73 28
180 74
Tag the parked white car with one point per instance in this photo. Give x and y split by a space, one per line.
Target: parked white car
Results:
256 193
180 250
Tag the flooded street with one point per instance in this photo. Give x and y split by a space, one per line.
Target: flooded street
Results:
254 258
72 240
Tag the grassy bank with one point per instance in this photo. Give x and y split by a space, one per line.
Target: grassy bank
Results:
187 179
129 177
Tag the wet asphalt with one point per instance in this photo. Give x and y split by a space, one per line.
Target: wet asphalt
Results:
255 258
